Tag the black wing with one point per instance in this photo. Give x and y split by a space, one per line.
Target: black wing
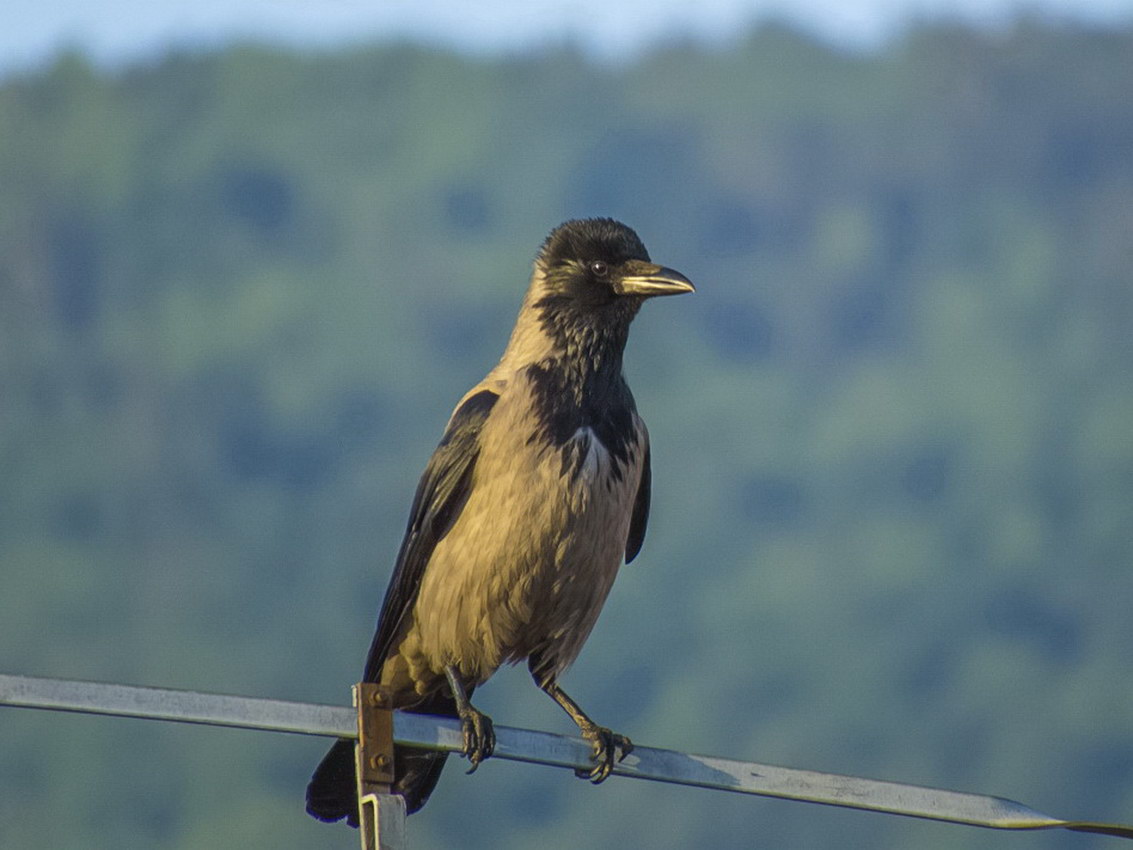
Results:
640 510
441 495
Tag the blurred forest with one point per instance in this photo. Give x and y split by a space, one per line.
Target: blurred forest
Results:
892 531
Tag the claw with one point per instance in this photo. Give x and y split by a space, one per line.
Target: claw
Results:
476 732
479 738
606 746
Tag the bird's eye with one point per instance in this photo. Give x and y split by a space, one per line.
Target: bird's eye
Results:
599 269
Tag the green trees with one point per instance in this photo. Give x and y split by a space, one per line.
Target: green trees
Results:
239 293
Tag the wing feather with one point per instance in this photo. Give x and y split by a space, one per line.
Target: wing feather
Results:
441 495
640 516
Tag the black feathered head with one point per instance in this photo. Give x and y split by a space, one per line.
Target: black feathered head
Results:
598 261
591 277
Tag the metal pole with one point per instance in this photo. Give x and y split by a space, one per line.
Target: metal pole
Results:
440 733
381 815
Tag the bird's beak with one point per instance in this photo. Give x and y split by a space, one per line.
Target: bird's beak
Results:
648 279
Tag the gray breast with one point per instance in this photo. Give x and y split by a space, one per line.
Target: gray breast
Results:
529 562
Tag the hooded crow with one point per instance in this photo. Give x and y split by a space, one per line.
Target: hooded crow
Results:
538 489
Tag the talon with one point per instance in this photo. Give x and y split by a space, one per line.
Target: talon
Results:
477 735
606 745
479 738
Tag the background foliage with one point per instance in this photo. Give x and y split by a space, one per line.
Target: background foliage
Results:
240 291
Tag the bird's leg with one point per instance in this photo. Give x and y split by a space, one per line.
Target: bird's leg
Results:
606 744
475 725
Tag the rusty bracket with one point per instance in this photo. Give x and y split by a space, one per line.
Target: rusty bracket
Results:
381 814
374 752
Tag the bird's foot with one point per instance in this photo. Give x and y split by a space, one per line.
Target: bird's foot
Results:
607 746
479 736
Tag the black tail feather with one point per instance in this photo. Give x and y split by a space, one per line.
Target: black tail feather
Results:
332 792
417 775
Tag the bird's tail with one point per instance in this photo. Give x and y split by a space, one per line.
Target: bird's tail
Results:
332 792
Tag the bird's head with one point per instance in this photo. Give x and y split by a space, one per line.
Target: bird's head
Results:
591 277
596 264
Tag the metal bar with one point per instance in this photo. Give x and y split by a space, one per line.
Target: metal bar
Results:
378 809
387 814
751 778
440 733
179 706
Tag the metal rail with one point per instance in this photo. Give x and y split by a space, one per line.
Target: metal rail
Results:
439 733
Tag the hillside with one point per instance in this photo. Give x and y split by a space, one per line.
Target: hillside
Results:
893 462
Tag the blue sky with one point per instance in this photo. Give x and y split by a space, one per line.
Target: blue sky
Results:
115 31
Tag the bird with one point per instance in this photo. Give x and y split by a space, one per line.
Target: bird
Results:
538 490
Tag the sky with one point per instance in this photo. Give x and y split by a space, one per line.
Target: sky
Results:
116 32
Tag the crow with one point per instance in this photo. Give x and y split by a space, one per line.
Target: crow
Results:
538 489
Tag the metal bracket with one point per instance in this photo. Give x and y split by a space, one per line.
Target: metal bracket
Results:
381 814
